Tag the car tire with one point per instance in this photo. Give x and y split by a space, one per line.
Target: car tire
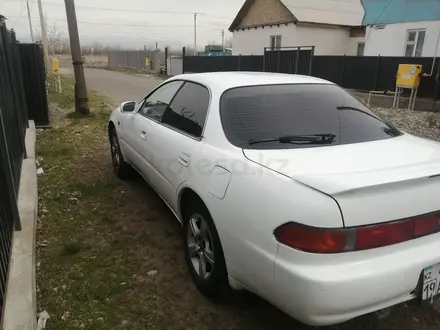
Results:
121 168
209 276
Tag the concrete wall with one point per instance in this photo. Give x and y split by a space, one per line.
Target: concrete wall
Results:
20 311
391 40
328 40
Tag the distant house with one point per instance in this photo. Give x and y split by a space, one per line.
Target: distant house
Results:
402 27
334 27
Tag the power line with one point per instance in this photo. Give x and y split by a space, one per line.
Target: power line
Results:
30 21
21 7
129 35
140 34
135 10
377 18
383 11
21 12
130 25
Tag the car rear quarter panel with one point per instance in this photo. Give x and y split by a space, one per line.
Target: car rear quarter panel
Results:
256 201
255 204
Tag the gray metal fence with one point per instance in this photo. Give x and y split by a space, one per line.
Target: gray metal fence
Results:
137 59
13 123
34 83
174 66
295 60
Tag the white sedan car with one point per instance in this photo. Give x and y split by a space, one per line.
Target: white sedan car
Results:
289 187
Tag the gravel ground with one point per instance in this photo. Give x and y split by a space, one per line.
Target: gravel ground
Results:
420 123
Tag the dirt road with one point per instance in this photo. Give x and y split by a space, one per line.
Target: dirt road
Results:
118 86
182 305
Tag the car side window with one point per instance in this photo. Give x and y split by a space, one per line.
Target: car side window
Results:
187 112
156 104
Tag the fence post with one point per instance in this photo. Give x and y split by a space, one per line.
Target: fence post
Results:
166 60
312 54
279 60
436 87
183 59
342 71
239 62
140 61
376 73
264 60
298 50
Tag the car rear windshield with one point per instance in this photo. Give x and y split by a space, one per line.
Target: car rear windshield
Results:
256 116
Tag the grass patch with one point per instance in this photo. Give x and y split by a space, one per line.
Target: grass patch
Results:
59 150
99 237
66 99
72 248
88 189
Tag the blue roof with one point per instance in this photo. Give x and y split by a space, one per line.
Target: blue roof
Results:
398 11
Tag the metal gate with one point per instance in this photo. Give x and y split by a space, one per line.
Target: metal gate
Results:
297 60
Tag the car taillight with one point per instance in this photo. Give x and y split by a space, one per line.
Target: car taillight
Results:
385 234
311 239
326 240
427 224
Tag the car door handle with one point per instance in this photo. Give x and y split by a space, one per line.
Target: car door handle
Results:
143 135
184 159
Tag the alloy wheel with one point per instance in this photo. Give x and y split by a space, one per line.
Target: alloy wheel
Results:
115 152
200 246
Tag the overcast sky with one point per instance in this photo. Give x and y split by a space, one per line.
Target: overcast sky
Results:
133 23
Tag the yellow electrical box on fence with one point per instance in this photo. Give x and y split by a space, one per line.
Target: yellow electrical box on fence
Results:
147 61
408 75
55 65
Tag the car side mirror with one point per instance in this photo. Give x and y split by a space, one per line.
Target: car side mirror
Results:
128 106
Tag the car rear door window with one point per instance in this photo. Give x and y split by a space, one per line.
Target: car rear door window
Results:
156 103
187 111
255 113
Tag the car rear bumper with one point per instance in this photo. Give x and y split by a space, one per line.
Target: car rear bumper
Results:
329 289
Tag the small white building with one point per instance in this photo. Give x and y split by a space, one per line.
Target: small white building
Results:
402 28
334 27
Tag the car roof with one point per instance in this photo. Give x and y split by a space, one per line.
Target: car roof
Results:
227 80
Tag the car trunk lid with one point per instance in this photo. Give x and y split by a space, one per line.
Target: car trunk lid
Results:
372 182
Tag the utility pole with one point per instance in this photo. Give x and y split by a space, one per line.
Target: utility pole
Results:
223 39
195 34
81 99
43 35
30 21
